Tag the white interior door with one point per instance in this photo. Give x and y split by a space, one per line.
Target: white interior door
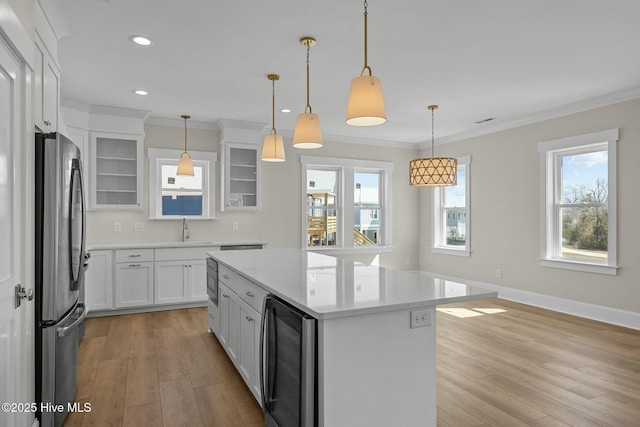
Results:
16 351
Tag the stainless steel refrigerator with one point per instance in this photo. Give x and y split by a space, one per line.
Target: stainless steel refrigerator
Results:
59 271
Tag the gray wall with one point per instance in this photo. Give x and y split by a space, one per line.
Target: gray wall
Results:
278 222
505 211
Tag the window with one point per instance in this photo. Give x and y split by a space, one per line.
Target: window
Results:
451 220
578 174
346 203
172 196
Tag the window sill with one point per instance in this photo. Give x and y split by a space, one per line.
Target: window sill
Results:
180 218
369 249
587 267
449 251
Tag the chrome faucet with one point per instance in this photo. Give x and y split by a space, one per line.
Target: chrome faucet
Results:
185 230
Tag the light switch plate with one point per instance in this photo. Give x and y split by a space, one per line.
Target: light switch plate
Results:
421 318
139 226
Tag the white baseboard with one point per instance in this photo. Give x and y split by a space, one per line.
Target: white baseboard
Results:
614 316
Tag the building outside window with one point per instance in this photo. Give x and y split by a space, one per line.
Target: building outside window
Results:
579 208
346 203
451 219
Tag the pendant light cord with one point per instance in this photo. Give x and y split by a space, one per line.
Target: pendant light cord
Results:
273 107
185 135
366 67
433 121
308 107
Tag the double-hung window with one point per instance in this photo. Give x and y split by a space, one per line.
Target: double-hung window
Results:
451 219
345 203
579 209
173 196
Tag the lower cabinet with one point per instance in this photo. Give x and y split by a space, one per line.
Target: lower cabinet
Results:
239 334
180 281
134 284
99 281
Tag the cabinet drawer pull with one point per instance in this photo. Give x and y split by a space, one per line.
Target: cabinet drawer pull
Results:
225 296
135 265
226 276
250 294
249 319
135 256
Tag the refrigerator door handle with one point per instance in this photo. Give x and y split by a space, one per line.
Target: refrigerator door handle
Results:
76 273
62 331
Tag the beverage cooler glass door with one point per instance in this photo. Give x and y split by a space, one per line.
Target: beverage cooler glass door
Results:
288 365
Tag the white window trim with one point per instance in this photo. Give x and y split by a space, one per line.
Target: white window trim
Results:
549 180
436 218
205 158
347 168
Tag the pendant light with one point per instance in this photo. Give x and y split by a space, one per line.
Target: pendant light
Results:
366 104
185 164
433 171
273 147
307 133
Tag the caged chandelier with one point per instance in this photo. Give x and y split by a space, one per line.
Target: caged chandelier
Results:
433 171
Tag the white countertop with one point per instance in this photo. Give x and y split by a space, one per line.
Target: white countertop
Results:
155 245
328 287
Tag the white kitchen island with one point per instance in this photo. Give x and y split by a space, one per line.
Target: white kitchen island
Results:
374 368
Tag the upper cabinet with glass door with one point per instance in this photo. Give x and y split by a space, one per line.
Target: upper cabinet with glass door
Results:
116 171
241 176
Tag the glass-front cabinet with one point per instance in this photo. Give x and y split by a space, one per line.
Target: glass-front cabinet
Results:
116 171
241 178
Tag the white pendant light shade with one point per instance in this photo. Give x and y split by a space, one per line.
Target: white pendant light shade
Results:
185 165
273 148
433 172
307 133
366 103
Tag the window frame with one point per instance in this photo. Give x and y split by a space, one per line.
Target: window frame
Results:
205 159
344 200
551 153
438 222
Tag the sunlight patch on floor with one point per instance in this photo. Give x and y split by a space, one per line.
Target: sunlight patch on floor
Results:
465 312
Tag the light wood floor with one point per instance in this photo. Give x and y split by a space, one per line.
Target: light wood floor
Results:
509 365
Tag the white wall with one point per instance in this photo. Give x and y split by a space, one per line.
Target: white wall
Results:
278 221
505 212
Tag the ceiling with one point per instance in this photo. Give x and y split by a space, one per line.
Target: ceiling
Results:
509 60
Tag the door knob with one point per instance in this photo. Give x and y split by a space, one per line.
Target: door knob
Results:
22 293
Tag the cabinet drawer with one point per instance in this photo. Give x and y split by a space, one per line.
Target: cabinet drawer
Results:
251 293
178 254
134 255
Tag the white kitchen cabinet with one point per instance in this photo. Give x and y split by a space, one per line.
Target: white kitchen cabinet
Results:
240 176
240 319
134 283
116 171
213 312
198 280
248 362
181 275
171 282
99 281
47 89
230 324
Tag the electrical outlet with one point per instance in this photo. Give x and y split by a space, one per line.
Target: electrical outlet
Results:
234 225
117 226
421 318
498 273
139 226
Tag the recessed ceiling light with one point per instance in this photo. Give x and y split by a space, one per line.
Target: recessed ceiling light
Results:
285 110
141 92
141 40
